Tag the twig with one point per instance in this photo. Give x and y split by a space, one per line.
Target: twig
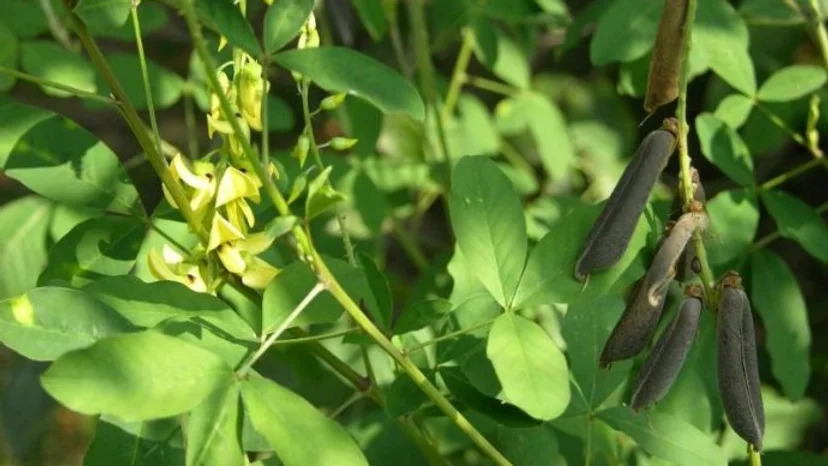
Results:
71 90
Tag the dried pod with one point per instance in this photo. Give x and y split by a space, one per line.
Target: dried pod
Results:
665 64
633 331
737 367
611 233
667 356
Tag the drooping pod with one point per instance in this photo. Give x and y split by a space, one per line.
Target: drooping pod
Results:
737 367
688 264
667 356
633 331
665 64
611 233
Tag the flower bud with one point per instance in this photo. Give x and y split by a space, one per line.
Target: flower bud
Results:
339 143
332 102
300 152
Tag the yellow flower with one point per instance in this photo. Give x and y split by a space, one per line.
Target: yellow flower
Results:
239 255
234 189
215 120
201 180
222 232
250 93
172 266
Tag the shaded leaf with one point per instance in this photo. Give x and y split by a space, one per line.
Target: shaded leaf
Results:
283 21
299 433
103 14
214 430
734 216
720 40
791 83
338 69
166 86
51 62
421 314
23 226
45 323
136 376
734 110
723 146
225 16
625 31
9 54
112 445
372 15
775 294
798 221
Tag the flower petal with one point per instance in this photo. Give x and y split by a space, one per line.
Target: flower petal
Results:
231 258
222 232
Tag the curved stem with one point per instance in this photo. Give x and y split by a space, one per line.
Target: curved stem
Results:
684 154
458 75
71 90
142 60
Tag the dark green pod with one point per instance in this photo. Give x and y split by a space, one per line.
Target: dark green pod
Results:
633 331
665 64
737 367
611 233
688 265
667 356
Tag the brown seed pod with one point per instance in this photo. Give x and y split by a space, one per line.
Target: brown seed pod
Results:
611 233
633 331
737 367
665 64
667 356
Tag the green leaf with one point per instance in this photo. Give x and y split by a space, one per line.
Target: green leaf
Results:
24 18
294 282
625 31
45 323
48 60
487 219
723 146
734 216
531 369
9 54
15 120
536 446
112 445
225 16
321 195
214 430
148 304
299 433
776 295
500 412
792 82
204 335
23 226
421 314
283 21
338 69
380 289
166 86
798 221
720 38
550 271
152 16
666 437
372 15
403 396
103 14
104 246
547 126
586 327
508 62
472 131
136 376
62 161
734 110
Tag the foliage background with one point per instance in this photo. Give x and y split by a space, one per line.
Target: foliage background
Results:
566 144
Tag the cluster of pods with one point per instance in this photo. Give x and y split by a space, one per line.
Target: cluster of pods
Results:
674 260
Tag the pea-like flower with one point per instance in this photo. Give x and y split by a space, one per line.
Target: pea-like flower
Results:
250 93
200 181
170 265
235 188
238 253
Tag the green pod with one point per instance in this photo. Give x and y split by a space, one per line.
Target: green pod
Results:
611 233
633 331
737 367
665 64
667 356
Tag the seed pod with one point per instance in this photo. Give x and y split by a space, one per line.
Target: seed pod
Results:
611 233
632 333
737 366
668 355
665 64
688 265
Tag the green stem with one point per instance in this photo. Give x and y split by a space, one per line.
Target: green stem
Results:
427 82
790 174
324 274
346 404
492 86
448 336
776 120
459 73
265 122
318 288
684 155
189 121
71 90
56 27
822 35
397 45
156 159
314 338
142 60
755 457
771 237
